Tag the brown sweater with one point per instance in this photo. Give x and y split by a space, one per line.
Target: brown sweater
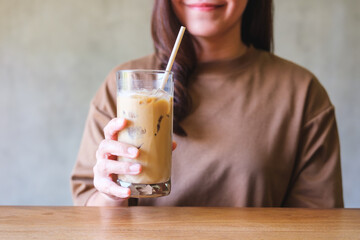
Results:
262 133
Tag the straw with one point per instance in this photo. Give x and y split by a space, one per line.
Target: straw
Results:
172 56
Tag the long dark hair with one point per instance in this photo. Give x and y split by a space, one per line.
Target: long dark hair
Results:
256 30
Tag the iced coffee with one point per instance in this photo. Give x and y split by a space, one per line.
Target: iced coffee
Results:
149 113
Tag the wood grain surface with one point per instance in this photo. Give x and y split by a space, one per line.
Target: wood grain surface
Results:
177 223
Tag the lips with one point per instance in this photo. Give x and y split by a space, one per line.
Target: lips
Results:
205 6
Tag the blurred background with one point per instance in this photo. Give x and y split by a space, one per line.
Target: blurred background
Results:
55 54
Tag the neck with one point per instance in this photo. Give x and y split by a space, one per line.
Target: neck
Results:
225 47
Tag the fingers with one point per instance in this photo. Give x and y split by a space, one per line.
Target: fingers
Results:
112 129
105 167
110 147
174 145
111 189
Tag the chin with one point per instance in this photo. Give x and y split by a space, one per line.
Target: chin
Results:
203 31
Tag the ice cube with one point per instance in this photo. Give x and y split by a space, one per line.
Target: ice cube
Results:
161 94
145 189
136 131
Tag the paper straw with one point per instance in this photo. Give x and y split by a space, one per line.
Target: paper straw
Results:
172 56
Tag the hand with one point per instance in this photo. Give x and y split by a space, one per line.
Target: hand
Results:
107 165
106 169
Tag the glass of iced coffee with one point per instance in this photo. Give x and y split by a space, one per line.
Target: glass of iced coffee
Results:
147 104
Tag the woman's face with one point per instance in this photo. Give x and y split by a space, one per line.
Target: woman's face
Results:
209 18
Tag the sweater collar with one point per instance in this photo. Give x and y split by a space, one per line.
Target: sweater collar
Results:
223 68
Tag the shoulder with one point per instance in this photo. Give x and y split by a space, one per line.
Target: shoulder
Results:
295 82
146 62
107 90
279 66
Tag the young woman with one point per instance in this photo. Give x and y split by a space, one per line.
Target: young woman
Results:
251 129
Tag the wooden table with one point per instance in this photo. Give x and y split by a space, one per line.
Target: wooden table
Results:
177 223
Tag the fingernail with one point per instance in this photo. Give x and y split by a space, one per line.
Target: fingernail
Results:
127 192
123 193
135 168
132 151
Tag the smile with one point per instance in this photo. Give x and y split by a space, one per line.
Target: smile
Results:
204 6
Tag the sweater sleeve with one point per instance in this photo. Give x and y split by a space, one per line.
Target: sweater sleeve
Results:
102 110
316 179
